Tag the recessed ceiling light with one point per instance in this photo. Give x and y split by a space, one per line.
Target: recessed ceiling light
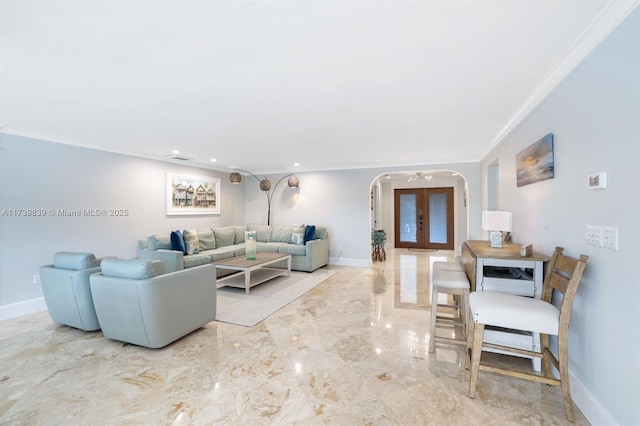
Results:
213 160
175 151
296 164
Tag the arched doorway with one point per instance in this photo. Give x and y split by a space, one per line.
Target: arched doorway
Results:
450 189
424 218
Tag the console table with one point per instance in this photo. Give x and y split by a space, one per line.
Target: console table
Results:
505 270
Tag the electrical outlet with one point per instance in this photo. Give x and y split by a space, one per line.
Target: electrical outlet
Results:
36 279
610 237
594 235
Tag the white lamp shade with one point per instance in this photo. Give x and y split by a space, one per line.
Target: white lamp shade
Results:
496 221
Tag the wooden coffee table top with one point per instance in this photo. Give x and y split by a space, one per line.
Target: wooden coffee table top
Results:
241 261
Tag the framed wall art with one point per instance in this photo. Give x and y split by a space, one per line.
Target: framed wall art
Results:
192 195
535 163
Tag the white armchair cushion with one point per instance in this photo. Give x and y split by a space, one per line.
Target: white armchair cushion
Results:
75 261
132 268
516 312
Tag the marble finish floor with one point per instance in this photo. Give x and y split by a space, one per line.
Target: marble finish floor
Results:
352 351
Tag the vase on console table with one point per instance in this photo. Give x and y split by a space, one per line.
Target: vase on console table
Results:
251 246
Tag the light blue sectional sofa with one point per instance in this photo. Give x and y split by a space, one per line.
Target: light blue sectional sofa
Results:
225 242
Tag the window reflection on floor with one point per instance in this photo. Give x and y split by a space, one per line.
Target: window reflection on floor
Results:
408 279
412 275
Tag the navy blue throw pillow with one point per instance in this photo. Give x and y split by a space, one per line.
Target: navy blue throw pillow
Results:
309 233
177 242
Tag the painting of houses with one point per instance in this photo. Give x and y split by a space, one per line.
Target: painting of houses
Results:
188 195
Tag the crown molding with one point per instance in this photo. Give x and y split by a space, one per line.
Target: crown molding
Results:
601 27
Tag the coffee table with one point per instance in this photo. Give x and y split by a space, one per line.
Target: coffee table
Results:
252 272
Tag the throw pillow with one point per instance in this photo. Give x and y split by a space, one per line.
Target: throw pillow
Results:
281 233
177 241
206 240
297 235
263 233
224 236
309 233
240 230
191 242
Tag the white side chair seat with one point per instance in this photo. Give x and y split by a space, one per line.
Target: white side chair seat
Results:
515 312
453 282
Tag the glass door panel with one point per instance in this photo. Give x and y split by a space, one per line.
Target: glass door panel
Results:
408 218
438 218
424 218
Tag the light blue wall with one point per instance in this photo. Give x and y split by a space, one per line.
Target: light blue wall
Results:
341 200
45 175
594 115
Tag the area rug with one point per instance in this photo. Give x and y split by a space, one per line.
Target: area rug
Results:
236 307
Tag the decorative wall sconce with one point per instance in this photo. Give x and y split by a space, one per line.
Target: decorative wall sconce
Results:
265 186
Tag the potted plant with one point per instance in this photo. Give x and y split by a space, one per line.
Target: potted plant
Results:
378 238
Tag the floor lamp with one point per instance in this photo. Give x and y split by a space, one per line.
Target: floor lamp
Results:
265 186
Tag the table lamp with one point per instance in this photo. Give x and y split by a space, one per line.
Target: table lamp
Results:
496 222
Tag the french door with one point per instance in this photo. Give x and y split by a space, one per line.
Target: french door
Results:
424 218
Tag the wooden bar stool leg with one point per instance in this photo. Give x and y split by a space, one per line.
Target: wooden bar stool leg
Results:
476 352
470 334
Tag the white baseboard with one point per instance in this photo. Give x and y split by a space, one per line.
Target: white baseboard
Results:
589 404
343 261
22 308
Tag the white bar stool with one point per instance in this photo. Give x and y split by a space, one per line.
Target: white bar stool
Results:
448 279
447 266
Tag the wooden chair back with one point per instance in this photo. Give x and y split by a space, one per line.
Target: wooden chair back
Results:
563 275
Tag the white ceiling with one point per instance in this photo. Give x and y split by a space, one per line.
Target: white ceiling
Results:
259 85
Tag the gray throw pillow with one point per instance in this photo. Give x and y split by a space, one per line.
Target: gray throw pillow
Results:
206 239
224 236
